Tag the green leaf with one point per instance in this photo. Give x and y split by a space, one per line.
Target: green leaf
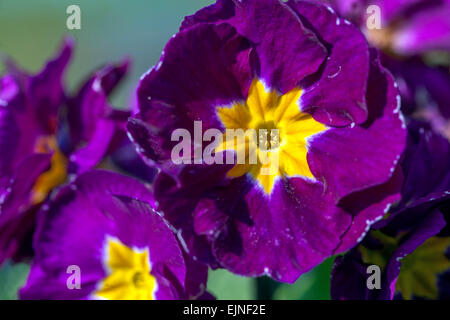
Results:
12 278
314 285
227 286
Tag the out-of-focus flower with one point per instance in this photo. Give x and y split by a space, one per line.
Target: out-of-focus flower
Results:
295 67
29 107
103 224
40 149
411 245
424 90
411 33
407 27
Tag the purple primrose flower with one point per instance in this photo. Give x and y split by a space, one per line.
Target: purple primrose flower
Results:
293 67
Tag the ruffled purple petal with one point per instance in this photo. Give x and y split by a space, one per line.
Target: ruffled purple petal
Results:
90 155
338 95
193 77
93 121
279 236
9 131
16 219
285 55
367 207
91 104
46 91
339 155
127 159
427 180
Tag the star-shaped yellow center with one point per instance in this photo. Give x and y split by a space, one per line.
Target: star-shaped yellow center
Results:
277 139
129 275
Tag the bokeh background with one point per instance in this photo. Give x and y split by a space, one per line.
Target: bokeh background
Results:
30 33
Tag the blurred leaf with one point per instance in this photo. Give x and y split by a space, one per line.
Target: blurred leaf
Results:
314 285
12 277
227 286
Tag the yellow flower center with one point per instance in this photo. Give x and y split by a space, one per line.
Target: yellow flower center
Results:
129 275
276 134
57 173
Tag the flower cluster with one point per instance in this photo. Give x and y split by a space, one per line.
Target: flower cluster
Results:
361 147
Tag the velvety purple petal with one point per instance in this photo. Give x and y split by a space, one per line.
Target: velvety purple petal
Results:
16 236
201 78
203 74
338 95
90 155
91 104
21 183
427 177
349 277
9 132
291 222
286 55
278 236
128 160
19 128
95 127
45 90
426 164
114 184
16 219
196 279
181 199
218 12
367 207
354 158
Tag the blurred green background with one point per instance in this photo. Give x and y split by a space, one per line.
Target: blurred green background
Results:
31 31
